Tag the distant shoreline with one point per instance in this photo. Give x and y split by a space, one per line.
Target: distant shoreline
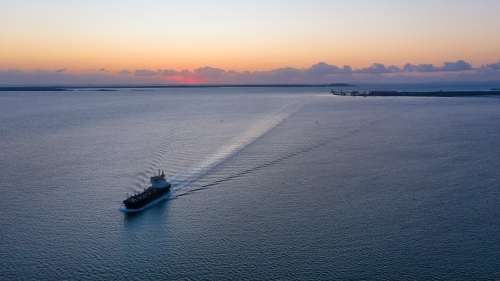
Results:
490 93
107 87
493 92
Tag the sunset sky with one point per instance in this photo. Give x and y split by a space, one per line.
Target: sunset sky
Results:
153 41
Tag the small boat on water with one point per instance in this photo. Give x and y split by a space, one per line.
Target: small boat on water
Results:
159 187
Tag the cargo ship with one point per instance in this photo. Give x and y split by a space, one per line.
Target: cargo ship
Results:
159 187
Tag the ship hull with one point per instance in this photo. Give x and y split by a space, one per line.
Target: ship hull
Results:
140 200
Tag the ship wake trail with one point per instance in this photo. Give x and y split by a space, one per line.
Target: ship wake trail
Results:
256 131
290 154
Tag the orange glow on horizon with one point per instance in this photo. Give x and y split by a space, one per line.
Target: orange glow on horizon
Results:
245 36
87 54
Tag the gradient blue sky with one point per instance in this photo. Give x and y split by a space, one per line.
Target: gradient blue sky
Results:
247 41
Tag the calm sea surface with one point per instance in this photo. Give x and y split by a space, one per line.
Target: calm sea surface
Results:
272 184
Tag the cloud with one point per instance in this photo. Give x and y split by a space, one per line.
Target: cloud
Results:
420 68
202 72
159 72
394 69
287 72
456 66
145 72
46 77
495 66
378 68
318 73
459 65
124 72
207 71
322 68
169 72
12 72
185 73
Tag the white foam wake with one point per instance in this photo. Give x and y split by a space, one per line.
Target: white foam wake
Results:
249 136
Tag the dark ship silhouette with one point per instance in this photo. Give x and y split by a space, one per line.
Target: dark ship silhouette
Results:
159 187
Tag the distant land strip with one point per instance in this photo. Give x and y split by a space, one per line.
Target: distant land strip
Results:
30 88
492 93
495 93
104 87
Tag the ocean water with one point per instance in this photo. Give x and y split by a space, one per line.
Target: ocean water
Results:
268 184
